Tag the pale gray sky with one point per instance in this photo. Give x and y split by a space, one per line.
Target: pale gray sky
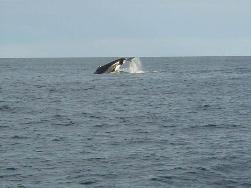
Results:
79 28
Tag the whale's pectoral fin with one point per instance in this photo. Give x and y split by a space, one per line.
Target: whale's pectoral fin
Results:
129 58
112 66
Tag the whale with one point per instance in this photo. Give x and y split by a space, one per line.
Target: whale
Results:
112 66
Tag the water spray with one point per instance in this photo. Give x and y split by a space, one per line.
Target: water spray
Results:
134 65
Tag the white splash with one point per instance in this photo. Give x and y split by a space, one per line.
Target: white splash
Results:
135 66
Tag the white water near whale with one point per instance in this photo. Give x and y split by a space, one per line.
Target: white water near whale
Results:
134 66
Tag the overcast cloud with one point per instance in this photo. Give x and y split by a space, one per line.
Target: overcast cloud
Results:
79 28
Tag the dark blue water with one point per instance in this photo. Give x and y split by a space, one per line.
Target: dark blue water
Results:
185 122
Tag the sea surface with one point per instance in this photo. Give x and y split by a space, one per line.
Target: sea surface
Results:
182 122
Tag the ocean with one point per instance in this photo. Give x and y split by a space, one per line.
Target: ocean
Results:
180 122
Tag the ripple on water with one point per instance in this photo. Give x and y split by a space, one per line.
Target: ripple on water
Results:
87 182
5 108
209 126
4 126
10 168
19 137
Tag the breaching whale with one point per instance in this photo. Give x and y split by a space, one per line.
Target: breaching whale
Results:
112 66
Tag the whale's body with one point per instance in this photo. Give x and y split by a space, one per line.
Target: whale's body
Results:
112 66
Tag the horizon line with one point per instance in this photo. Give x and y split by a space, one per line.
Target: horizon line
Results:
57 57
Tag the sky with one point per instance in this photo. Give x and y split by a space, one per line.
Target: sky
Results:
103 28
